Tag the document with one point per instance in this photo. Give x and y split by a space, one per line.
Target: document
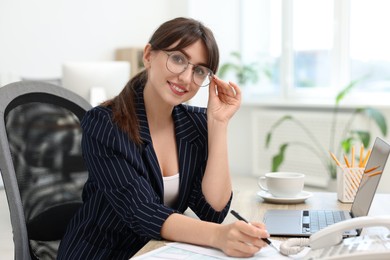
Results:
172 253
191 252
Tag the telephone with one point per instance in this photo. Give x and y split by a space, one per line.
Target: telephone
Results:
329 243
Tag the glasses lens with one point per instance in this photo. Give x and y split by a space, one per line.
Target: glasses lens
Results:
177 62
202 76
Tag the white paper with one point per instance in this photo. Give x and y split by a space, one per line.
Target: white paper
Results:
172 253
192 252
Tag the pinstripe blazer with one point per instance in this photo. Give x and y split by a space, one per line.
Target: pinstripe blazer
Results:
123 197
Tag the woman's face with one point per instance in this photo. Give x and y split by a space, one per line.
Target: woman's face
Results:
170 87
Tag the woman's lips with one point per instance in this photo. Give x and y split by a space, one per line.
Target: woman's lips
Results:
177 89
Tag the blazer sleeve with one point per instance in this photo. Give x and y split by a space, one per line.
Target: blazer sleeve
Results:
202 208
197 201
116 170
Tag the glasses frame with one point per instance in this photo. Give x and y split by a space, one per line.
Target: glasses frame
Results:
169 54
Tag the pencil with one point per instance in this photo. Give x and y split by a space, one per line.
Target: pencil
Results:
353 157
374 173
366 158
335 159
361 156
371 169
234 213
346 161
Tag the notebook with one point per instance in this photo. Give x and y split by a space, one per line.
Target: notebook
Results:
301 223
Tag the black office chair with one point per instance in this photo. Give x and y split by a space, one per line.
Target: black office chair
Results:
41 163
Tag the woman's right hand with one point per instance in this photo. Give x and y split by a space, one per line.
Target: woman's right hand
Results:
224 100
241 239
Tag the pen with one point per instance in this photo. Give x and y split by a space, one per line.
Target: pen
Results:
234 213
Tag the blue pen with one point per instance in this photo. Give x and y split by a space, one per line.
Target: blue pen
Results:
234 213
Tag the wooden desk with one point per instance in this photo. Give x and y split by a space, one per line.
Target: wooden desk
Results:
252 207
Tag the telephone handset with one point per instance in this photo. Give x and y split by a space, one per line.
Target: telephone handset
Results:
329 243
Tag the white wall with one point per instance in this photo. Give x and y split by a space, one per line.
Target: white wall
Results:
37 36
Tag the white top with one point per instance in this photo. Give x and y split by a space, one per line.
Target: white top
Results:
171 189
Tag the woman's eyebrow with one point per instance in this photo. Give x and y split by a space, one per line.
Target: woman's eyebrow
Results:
189 58
185 54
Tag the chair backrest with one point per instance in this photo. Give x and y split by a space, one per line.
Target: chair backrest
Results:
41 163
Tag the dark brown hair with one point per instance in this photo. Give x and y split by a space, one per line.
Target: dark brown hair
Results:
184 31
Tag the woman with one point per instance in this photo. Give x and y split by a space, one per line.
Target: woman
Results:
150 157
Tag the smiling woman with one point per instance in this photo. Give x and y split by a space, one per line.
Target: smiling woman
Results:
137 142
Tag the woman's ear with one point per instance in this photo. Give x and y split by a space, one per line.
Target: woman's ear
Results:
147 55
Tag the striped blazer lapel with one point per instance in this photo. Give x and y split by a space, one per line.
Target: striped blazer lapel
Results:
150 158
153 167
189 152
188 157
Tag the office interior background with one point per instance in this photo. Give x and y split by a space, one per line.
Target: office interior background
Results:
303 51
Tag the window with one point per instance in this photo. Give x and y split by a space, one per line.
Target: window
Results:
369 44
312 41
313 49
264 48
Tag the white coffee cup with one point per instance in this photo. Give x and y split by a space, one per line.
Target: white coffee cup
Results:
282 184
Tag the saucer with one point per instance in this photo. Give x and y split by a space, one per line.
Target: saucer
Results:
301 197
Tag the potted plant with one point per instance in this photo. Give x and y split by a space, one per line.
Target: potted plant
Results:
245 73
348 135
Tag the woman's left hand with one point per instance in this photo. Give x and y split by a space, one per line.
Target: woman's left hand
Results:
224 100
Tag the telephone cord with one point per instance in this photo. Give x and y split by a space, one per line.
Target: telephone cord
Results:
293 246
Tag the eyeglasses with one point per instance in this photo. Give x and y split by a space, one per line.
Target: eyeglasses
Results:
177 63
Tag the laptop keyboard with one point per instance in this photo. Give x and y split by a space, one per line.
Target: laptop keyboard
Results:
315 220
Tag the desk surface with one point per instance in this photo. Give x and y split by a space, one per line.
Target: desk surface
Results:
252 207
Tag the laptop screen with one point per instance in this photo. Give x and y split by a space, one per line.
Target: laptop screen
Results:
368 185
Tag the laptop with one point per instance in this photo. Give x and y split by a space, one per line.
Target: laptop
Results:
302 223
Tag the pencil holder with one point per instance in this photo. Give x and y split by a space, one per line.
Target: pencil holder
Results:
348 180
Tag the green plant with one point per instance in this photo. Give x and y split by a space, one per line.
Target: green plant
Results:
348 136
245 73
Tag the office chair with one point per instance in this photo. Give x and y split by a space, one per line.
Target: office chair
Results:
41 163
